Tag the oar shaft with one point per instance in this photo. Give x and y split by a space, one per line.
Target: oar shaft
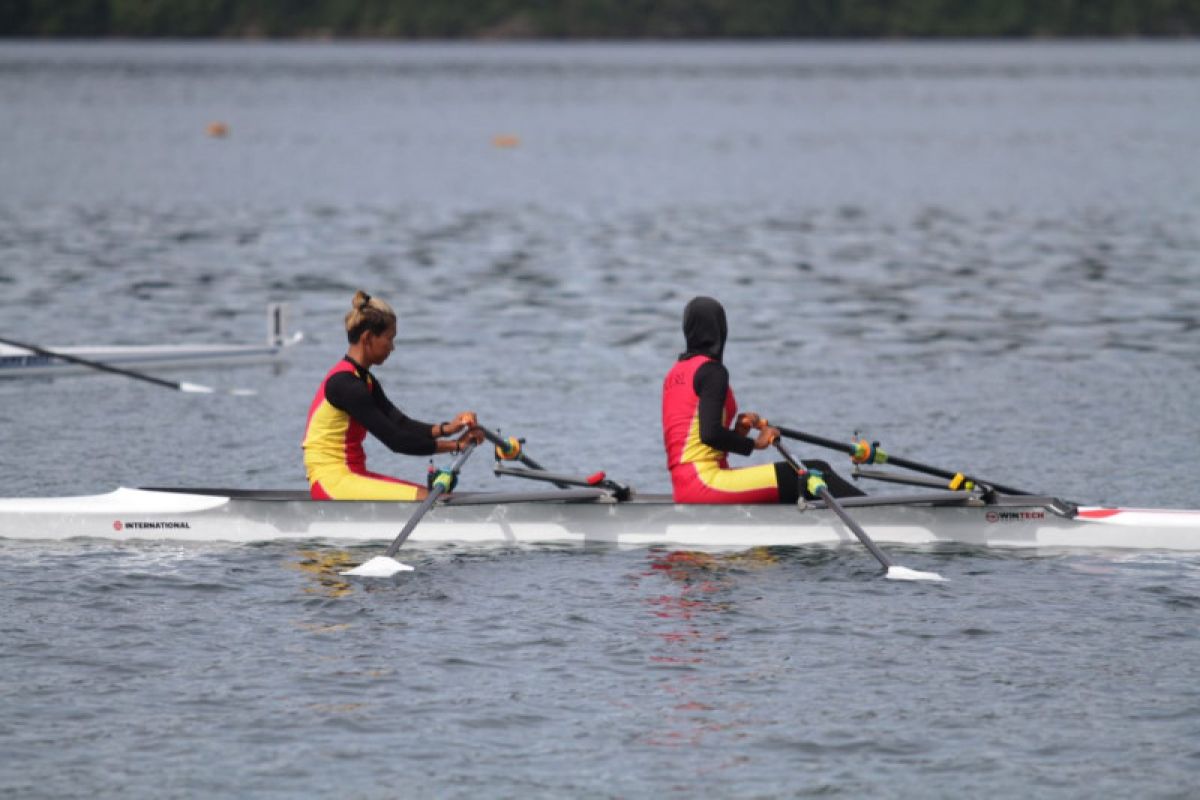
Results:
97 365
179 386
437 491
559 480
599 480
830 501
917 466
905 463
500 441
819 441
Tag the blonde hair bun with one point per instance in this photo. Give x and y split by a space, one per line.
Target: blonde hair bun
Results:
367 313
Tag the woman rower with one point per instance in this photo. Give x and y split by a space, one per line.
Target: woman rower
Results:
349 403
698 408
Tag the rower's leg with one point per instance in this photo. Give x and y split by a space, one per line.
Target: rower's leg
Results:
838 486
364 486
788 482
708 482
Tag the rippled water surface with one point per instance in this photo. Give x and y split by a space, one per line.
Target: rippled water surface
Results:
982 255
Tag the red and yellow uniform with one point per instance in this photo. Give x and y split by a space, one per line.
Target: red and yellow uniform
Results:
348 404
698 408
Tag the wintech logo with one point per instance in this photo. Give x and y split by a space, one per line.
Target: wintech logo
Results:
1014 516
119 525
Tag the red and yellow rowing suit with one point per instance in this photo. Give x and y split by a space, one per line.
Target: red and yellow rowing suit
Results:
348 404
698 408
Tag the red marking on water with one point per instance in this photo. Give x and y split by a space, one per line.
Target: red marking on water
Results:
693 706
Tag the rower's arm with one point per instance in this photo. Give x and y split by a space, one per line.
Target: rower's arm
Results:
399 417
375 412
711 384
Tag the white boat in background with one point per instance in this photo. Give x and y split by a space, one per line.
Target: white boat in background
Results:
587 516
18 362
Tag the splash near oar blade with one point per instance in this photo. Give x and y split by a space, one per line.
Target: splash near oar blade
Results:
893 571
379 567
385 566
896 573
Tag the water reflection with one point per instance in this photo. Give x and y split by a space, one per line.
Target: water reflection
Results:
692 610
324 568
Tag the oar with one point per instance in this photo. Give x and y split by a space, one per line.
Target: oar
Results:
599 480
956 479
893 571
510 449
386 565
181 386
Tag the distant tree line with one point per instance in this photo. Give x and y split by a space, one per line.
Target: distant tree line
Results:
598 18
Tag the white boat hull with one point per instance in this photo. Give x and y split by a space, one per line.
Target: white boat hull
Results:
136 514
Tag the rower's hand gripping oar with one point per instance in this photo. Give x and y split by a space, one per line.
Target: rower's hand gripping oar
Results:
864 452
181 386
386 565
817 486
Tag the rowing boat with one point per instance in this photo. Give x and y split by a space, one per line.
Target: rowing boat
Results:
586 516
19 362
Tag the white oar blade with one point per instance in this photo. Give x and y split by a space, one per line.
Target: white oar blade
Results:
895 573
199 388
379 567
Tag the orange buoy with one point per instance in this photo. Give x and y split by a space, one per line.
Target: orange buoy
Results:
217 130
506 140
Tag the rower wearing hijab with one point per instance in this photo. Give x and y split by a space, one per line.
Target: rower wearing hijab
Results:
701 426
350 403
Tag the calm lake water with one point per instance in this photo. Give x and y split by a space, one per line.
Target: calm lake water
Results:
983 255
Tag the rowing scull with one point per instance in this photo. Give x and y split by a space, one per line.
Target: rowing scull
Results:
585 516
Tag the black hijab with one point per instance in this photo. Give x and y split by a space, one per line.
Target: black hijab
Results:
704 328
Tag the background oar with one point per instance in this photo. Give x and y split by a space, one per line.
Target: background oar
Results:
956 478
180 386
893 571
386 565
